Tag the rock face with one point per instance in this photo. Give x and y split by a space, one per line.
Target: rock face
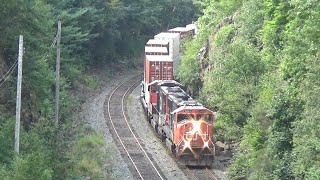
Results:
204 54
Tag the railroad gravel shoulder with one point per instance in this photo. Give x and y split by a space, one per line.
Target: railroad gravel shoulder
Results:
92 112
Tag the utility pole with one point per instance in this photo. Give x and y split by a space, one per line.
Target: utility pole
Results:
57 76
18 104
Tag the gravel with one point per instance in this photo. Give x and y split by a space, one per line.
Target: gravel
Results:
93 113
150 139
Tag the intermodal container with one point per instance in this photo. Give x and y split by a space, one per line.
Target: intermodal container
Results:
158 68
155 50
157 43
183 31
174 42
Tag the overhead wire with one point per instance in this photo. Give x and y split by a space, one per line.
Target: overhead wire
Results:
9 72
54 40
52 44
5 78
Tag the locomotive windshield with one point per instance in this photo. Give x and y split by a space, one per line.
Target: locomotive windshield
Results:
205 117
182 117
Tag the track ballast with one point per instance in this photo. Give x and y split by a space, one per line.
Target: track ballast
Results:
200 173
140 163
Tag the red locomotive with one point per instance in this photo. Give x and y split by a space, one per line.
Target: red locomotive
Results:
183 124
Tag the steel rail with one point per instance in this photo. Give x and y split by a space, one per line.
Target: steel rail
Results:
123 112
125 118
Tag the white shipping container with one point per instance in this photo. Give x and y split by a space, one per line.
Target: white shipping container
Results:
174 42
158 43
192 27
156 50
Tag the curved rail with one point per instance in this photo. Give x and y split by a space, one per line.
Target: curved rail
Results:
126 139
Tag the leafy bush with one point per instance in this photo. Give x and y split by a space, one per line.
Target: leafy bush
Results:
87 156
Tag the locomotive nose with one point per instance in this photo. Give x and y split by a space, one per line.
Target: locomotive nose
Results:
195 133
196 126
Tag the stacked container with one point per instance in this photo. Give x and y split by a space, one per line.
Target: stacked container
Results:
183 31
158 68
174 46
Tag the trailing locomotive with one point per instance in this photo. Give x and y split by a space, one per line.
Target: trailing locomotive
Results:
183 124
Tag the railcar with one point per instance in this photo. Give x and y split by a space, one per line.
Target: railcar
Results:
184 32
183 124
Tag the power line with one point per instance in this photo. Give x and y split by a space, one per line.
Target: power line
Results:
52 44
10 72
7 75
4 76
54 40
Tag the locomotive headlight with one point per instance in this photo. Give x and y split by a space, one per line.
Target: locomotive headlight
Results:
205 144
196 126
186 144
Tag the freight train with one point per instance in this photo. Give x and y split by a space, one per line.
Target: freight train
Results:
185 125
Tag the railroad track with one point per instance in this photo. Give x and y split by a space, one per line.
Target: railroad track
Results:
140 163
200 174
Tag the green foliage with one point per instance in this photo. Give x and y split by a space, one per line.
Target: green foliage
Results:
6 140
88 156
35 158
275 15
262 76
224 36
239 168
254 135
251 20
313 173
232 82
188 70
94 33
31 166
300 70
91 82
